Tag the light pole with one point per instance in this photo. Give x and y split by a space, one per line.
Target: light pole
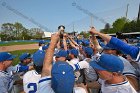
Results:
127 10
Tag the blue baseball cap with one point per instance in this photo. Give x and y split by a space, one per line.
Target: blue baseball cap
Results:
24 56
38 57
109 63
6 56
45 46
62 53
74 52
86 42
88 50
41 42
63 78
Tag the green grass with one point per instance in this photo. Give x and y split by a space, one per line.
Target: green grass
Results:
19 52
16 43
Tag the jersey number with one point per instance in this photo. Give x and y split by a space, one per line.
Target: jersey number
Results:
33 86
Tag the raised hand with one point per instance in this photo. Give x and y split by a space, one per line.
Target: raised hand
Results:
92 30
55 37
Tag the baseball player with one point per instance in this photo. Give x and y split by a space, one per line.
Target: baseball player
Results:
129 71
109 69
22 67
58 78
6 79
19 70
31 78
41 44
133 51
120 45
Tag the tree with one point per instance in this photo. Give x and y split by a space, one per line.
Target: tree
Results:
133 26
18 29
25 34
119 24
85 34
38 35
3 37
7 31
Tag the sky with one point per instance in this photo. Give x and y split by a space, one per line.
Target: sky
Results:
73 14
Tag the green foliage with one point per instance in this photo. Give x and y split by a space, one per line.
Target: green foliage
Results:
85 34
17 31
3 36
19 52
119 24
123 25
7 31
133 26
38 35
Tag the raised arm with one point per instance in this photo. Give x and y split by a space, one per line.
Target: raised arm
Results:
72 40
64 41
97 47
120 45
58 45
103 36
47 66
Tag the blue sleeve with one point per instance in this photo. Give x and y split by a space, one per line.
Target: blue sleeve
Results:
124 47
23 68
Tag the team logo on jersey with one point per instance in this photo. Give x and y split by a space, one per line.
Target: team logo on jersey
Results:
97 59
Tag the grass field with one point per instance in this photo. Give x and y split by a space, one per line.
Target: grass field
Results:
16 43
19 52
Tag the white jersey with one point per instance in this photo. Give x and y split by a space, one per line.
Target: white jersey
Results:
40 48
123 87
45 86
74 61
76 73
79 90
90 73
30 81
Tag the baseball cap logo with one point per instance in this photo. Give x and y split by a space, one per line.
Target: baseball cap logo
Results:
63 72
97 58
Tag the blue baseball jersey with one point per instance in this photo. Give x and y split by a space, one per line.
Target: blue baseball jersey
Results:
20 67
133 51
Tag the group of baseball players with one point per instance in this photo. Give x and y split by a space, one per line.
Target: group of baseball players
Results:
65 65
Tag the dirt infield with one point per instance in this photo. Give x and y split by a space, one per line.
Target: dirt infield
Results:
18 47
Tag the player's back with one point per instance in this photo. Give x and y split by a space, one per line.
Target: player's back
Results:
30 81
